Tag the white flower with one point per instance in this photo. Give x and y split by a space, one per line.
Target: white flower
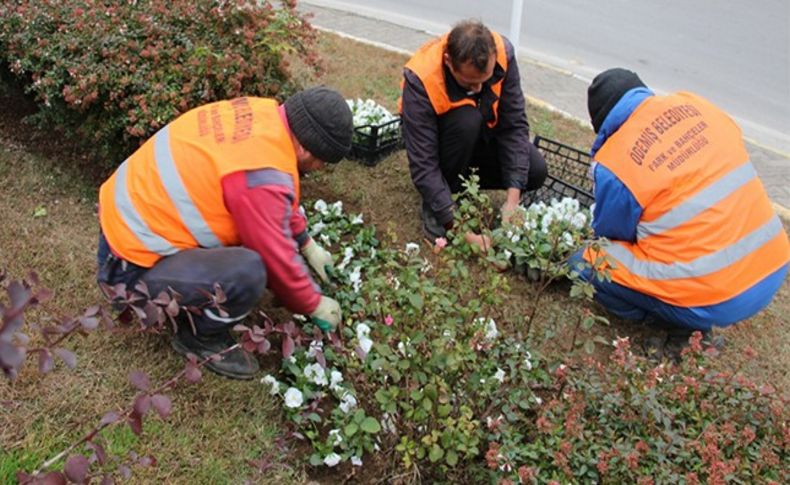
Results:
315 347
337 207
270 380
335 378
357 219
320 206
356 461
567 238
499 375
338 438
527 362
402 348
332 459
508 254
366 344
317 228
348 402
579 220
325 239
356 278
348 253
412 248
491 331
316 374
293 397
363 331
515 238
538 401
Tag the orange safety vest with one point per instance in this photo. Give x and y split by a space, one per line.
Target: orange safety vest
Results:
428 64
168 195
707 232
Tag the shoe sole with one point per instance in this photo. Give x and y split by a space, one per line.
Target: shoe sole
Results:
210 365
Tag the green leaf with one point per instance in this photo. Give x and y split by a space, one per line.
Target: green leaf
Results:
314 417
416 301
452 458
370 425
436 453
350 429
444 410
40 211
589 346
315 459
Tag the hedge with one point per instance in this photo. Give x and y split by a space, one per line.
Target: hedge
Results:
112 73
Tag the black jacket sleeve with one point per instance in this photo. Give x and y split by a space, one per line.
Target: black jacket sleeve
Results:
512 129
421 135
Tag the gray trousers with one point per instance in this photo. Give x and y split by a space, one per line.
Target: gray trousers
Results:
192 273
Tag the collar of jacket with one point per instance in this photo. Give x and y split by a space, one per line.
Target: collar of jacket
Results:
457 93
618 115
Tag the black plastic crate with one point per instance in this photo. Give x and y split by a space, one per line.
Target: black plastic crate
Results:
568 175
371 143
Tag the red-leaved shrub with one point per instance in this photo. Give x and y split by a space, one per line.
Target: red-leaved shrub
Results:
113 73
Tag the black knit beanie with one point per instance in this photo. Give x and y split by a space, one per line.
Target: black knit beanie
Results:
322 122
606 90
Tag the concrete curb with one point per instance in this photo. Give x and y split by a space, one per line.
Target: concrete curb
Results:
553 81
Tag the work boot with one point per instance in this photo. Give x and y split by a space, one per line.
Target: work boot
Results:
669 344
430 226
678 339
236 364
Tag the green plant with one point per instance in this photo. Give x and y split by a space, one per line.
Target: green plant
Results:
628 420
114 73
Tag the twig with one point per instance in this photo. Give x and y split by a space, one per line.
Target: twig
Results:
89 436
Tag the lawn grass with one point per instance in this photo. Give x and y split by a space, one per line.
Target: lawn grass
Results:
48 223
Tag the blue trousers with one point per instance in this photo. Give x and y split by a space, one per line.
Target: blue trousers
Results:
630 304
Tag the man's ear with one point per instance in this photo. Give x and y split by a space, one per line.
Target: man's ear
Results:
303 152
447 61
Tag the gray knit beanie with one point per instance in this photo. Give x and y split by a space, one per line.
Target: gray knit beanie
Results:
322 122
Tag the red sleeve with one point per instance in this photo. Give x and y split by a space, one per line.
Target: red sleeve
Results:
299 227
264 220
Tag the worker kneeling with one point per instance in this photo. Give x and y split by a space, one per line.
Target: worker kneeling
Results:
213 198
695 242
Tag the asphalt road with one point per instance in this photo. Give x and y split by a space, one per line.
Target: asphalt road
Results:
734 52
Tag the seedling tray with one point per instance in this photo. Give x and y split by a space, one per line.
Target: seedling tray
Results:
372 143
568 175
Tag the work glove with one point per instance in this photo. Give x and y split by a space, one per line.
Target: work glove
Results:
327 314
318 258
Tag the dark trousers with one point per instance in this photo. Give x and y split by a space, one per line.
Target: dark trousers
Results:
463 144
192 273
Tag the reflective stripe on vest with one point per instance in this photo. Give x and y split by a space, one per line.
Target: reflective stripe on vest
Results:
428 64
703 265
185 207
702 201
123 202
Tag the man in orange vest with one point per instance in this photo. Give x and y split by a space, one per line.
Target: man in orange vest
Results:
462 107
213 198
695 242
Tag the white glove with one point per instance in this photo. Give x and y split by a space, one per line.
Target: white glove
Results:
327 314
318 258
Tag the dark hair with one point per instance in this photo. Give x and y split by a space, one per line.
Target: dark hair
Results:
470 40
